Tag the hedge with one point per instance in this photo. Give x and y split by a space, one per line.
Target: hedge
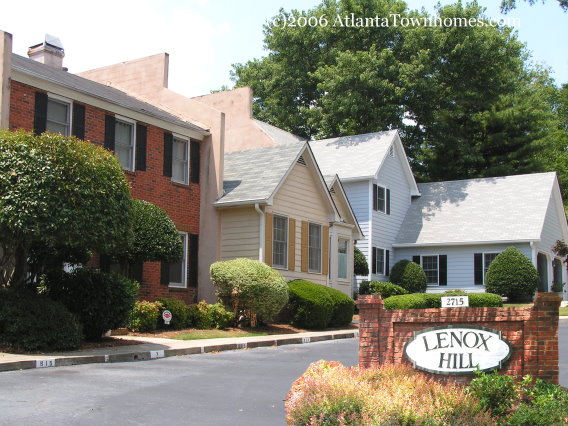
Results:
431 300
383 288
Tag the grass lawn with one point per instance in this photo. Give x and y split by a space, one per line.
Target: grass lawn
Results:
214 334
564 311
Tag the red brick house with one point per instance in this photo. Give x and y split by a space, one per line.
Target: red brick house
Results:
159 152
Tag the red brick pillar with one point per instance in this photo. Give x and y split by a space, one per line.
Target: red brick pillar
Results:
546 310
369 309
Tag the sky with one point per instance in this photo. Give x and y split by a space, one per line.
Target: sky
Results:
205 37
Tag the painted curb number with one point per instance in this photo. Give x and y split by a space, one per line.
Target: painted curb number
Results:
157 354
45 363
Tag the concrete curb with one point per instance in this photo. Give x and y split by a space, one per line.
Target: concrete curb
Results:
62 360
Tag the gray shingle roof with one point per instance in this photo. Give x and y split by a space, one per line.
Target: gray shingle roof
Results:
491 209
357 156
254 175
97 90
279 136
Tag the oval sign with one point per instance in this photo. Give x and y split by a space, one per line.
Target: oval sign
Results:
457 349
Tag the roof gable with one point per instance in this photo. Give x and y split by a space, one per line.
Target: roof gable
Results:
361 156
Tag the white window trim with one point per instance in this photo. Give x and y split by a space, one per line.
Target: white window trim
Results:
133 122
67 101
285 267
184 259
340 238
384 260
186 140
437 269
483 262
385 200
312 271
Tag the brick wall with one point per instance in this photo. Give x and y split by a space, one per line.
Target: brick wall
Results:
532 332
181 202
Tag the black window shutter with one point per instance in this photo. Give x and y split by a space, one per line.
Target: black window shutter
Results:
387 263
375 199
478 268
110 123
168 153
443 269
416 259
40 113
388 201
141 136
193 260
78 121
136 271
374 263
164 273
194 158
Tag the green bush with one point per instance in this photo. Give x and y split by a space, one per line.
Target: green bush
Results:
310 305
360 266
410 276
364 287
343 308
144 316
180 314
433 300
547 404
102 301
204 316
386 289
30 322
252 289
512 274
496 392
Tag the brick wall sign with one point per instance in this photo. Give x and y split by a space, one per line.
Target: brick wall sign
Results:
457 349
449 343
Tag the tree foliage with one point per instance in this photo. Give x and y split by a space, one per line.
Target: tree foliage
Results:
57 192
508 5
154 235
360 263
466 99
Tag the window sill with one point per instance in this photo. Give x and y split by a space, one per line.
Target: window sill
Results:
177 287
129 172
280 268
181 185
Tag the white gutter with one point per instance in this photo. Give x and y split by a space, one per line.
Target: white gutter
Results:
261 235
463 243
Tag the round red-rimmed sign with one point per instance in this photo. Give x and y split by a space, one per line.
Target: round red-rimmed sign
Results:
166 316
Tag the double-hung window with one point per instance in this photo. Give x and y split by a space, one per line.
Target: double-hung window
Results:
430 266
58 116
342 259
487 259
314 248
379 261
381 199
180 160
280 242
178 270
124 138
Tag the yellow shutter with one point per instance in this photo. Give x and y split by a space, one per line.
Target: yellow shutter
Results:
304 246
268 239
325 251
291 244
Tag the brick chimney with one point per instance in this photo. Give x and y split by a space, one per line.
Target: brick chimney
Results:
50 52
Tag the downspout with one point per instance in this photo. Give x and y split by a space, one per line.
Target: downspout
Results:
261 235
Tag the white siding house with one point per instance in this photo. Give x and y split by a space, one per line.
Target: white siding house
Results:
453 229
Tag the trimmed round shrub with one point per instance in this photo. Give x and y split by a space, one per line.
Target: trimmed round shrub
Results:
102 301
386 289
343 308
310 305
254 291
365 287
204 316
360 266
512 274
431 300
30 322
410 276
144 316
180 314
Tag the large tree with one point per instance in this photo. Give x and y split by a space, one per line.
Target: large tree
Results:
59 197
461 95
